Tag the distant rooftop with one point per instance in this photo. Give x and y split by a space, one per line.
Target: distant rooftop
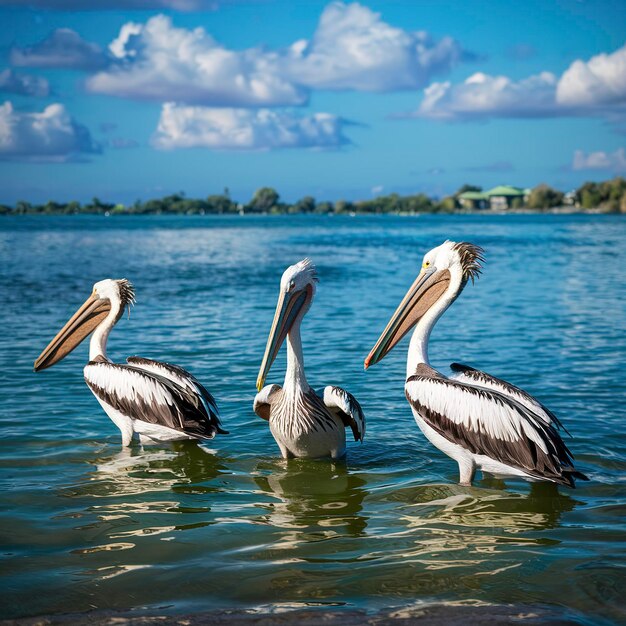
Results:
505 190
473 195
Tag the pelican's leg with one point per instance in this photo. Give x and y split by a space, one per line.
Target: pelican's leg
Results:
127 435
467 469
337 454
284 451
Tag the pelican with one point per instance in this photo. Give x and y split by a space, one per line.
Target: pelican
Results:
305 423
157 401
480 421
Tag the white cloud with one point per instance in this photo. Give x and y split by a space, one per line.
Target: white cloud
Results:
352 48
63 48
52 135
599 82
594 87
157 61
482 96
243 129
24 84
610 161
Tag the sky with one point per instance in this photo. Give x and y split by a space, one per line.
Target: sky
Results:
133 99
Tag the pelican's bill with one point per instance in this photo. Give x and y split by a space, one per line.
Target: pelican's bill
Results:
79 326
423 293
287 309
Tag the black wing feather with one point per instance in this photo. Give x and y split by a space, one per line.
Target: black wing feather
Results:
186 413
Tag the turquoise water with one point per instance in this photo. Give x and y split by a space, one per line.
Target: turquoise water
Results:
88 525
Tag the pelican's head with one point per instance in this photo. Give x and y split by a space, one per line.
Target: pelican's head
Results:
107 297
444 273
297 288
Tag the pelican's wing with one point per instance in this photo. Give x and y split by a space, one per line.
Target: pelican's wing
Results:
486 422
150 398
471 376
263 400
184 379
346 407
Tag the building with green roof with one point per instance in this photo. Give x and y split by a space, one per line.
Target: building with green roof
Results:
499 198
474 200
505 196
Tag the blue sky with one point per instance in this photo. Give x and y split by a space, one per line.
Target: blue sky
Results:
139 98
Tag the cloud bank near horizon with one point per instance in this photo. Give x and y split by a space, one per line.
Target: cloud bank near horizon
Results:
596 87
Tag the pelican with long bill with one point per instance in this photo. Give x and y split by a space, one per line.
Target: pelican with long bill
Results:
155 400
304 422
480 421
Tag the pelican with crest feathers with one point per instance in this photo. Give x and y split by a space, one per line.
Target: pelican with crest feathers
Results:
305 423
155 400
480 421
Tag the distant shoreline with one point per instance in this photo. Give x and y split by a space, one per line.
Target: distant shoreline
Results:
477 212
605 197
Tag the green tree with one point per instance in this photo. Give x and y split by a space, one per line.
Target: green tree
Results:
22 207
343 206
588 195
446 205
304 205
324 207
221 203
544 197
263 200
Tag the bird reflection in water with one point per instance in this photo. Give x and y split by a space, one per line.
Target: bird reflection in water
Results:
316 499
178 465
140 489
490 506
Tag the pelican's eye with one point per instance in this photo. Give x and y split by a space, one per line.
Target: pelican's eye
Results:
426 264
292 286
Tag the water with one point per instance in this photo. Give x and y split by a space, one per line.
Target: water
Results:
88 525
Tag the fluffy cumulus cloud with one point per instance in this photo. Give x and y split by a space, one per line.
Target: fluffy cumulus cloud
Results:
608 161
157 61
63 48
593 87
23 84
244 129
599 82
52 135
351 48
483 96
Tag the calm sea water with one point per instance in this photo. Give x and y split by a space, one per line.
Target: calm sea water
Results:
88 525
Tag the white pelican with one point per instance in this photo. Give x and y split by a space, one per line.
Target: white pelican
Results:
305 423
480 421
158 401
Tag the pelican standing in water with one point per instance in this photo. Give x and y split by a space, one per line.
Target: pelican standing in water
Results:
305 423
480 421
158 401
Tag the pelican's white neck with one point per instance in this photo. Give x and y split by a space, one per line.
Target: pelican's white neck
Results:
418 348
294 376
98 341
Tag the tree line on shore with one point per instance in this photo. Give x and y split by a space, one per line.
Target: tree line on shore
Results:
608 196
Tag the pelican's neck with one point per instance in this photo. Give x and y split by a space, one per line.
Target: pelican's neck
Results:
418 348
98 342
294 376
